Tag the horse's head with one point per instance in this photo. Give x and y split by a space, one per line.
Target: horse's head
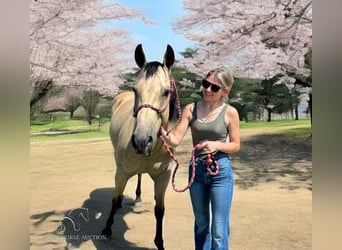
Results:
153 95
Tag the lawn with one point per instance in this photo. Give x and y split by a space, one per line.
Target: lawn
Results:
292 128
80 129
69 129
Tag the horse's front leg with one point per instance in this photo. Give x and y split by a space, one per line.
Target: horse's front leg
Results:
120 184
137 201
160 185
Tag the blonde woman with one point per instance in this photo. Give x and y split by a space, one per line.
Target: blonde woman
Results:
215 126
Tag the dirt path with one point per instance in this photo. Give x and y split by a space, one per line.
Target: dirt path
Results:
72 183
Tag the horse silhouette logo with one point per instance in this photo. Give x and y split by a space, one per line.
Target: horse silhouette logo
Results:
75 217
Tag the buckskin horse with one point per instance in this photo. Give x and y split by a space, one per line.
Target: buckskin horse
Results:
137 117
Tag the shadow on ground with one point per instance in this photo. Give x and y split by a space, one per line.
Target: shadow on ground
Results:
266 158
85 223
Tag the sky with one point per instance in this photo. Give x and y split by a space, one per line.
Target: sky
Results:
154 38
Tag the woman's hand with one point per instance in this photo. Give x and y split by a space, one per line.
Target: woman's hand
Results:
209 147
163 132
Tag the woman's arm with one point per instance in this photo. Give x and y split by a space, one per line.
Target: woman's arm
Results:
175 137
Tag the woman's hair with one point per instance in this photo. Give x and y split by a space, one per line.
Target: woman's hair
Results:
224 77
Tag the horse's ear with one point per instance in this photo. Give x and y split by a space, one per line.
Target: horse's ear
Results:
139 55
169 57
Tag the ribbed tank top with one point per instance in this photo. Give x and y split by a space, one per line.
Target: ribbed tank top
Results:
215 130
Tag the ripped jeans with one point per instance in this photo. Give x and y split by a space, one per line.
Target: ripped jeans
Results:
213 192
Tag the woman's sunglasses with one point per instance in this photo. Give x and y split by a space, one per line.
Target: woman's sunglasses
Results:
206 84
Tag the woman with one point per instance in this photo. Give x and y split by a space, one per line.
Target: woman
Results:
215 126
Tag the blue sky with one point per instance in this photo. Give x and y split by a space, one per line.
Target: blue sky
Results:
154 38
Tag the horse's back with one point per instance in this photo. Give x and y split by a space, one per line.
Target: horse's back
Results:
121 125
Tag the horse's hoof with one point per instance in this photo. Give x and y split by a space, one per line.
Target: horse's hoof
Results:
137 204
159 244
107 232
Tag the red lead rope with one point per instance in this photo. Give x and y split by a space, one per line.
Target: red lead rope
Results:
210 159
209 162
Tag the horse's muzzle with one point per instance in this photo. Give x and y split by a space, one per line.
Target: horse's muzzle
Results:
142 145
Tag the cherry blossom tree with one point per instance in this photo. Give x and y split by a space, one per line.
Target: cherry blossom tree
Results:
62 98
256 38
73 43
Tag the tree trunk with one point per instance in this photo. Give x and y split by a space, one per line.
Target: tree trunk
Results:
40 90
269 115
310 106
296 112
89 120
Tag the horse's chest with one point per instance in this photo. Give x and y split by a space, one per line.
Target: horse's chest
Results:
141 164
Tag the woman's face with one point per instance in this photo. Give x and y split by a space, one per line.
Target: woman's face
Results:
209 93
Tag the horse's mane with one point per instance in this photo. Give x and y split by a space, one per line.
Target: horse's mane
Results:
174 113
150 69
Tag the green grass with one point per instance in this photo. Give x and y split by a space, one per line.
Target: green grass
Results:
75 129
103 133
63 125
291 128
272 124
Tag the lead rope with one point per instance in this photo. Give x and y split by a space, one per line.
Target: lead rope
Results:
211 161
179 111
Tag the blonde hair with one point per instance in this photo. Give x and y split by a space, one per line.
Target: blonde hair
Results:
224 77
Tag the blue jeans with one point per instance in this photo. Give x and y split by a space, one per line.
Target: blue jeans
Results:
213 192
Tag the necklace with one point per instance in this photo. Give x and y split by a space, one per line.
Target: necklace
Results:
207 114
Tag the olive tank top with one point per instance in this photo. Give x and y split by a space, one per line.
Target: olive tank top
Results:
215 130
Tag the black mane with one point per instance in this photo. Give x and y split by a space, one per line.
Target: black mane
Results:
151 68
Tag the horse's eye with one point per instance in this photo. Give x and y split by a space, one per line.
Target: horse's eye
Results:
166 92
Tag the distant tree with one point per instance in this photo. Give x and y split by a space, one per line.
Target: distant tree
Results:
295 94
72 44
245 97
105 111
282 99
72 103
308 64
256 38
39 89
188 53
188 84
266 92
60 98
276 97
89 102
